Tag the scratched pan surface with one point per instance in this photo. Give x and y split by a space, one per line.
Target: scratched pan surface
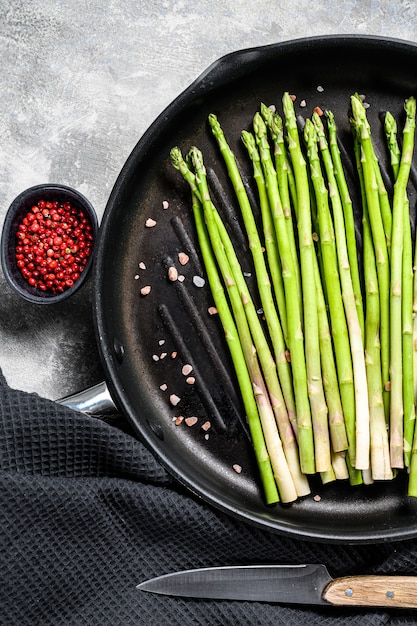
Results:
138 334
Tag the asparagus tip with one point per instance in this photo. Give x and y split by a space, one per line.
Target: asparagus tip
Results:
358 110
176 157
289 111
266 111
410 107
259 125
310 132
390 123
196 157
318 125
250 144
330 119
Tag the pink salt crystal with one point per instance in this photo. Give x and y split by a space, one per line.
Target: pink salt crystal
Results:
187 369
174 399
172 273
183 258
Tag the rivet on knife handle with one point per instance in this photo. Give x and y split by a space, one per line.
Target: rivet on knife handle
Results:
383 591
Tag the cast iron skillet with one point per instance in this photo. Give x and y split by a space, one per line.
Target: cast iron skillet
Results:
138 334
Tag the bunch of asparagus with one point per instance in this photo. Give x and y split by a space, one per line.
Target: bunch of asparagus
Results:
328 377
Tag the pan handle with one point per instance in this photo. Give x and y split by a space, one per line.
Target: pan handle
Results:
95 400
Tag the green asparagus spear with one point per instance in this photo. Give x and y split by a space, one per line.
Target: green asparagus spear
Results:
275 269
285 176
407 297
380 455
396 294
294 314
331 278
337 425
271 246
362 131
319 410
348 215
354 328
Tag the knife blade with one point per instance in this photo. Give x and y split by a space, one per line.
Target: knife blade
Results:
293 584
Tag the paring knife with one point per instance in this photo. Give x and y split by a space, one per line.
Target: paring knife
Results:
293 584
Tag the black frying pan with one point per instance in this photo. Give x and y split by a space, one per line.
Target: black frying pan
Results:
135 331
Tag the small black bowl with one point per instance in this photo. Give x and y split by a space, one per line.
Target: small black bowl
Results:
16 212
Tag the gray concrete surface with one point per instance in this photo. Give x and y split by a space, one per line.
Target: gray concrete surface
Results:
80 81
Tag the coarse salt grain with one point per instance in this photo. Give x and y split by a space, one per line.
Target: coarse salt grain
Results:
161 342
303 103
181 278
163 355
237 468
150 223
178 420
172 273
199 281
142 265
191 421
145 290
165 204
187 369
174 399
320 89
136 276
317 498
163 387
206 426
174 355
190 380
212 310
155 357
183 258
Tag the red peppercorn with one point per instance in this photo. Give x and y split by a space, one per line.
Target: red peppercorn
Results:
53 244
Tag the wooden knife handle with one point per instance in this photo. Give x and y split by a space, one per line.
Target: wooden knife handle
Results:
382 591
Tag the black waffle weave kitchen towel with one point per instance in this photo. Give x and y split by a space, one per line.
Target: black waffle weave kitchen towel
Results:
87 513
